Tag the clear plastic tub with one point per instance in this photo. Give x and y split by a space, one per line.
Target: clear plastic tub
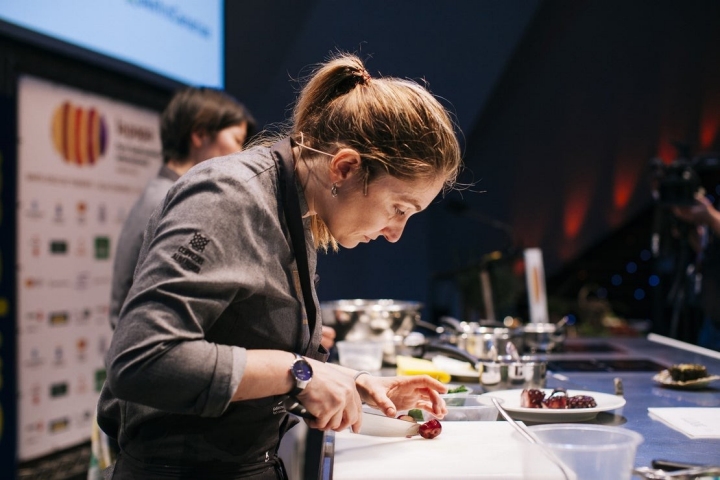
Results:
360 355
592 452
467 408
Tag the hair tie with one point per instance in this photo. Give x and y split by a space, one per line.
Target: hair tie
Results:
365 77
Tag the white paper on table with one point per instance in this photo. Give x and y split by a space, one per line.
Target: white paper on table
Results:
693 422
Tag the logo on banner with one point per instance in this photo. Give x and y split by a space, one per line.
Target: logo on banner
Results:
82 384
35 360
102 248
35 245
58 247
82 281
33 282
59 318
59 217
79 134
59 425
59 358
81 249
36 394
82 317
58 389
81 345
34 431
33 320
102 213
81 212
34 210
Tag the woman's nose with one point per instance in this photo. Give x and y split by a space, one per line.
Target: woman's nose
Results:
393 233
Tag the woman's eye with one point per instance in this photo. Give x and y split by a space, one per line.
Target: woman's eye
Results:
399 212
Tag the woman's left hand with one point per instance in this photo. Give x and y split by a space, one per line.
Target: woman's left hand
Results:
391 394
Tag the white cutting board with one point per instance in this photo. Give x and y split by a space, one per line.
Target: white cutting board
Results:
464 450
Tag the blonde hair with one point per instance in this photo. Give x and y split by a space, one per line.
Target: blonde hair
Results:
396 125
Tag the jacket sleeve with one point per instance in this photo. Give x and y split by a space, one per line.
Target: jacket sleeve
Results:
191 268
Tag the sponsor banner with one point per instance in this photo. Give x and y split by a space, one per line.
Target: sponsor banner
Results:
83 160
8 311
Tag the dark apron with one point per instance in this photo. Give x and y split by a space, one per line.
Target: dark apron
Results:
128 467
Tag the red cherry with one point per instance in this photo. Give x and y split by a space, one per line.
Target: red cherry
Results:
430 429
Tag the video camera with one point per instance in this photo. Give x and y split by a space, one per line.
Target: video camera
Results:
678 183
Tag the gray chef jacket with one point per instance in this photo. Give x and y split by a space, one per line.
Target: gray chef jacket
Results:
216 276
131 237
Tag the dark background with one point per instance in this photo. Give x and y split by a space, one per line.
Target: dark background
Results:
561 104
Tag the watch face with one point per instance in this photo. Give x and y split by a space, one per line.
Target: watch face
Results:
302 371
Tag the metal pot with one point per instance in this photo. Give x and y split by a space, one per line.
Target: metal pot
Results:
389 321
482 341
503 372
544 337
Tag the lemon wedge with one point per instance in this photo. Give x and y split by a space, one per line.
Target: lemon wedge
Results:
418 366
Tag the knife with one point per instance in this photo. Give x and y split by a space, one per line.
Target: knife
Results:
379 425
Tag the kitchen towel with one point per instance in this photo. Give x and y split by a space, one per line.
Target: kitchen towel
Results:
693 422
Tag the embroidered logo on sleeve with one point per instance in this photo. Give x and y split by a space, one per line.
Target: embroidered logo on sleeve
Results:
189 260
198 242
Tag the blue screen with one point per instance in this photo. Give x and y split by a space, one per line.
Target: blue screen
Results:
178 39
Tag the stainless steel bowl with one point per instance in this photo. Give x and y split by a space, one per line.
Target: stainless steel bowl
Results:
543 337
390 321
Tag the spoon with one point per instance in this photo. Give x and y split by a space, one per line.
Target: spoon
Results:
522 430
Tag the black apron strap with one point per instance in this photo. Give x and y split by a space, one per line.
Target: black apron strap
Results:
293 217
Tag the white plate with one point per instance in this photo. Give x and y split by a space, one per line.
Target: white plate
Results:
511 398
664 378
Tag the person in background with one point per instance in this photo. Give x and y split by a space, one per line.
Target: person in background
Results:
221 326
705 239
198 123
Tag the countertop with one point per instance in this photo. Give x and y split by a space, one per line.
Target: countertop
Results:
640 392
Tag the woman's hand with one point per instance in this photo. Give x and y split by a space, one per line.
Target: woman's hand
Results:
331 396
391 394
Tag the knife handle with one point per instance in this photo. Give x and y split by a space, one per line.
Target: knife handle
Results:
293 405
671 466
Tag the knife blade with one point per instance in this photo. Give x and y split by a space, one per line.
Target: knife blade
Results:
379 425
373 424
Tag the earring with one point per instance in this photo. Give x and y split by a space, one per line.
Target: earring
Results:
333 190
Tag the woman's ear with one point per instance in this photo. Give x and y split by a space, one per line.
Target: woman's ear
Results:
197 138
344 164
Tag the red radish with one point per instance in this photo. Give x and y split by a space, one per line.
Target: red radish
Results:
430 429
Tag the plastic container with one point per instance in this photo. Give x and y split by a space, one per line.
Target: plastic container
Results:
592 452
467 408
360 355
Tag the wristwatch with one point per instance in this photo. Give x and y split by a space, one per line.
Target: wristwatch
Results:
301 373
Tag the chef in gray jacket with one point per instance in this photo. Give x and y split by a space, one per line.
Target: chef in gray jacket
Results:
221 322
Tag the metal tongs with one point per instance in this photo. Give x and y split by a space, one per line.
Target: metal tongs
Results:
685 474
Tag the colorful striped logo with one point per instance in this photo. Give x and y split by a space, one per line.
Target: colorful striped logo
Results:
79 134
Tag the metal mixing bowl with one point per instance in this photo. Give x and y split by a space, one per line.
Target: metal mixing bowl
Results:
361 319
